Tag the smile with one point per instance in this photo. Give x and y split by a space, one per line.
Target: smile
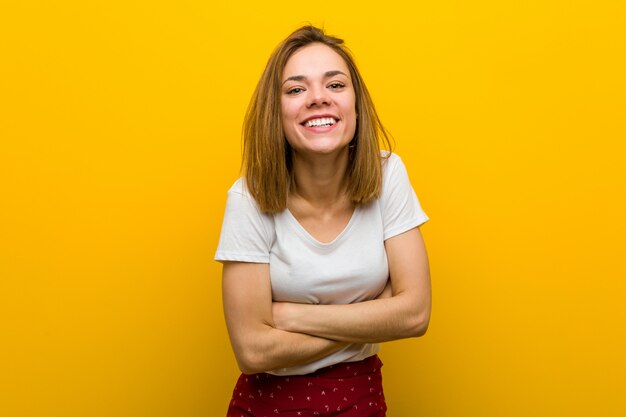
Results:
320 122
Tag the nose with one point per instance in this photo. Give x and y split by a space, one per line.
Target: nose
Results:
318 96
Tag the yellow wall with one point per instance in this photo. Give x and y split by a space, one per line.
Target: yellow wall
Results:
120 134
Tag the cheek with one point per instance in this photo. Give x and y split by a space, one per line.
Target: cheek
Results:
288 120
284 115
353 124
287 113
350 107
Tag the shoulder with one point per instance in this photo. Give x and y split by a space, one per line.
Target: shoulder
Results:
239 191
241 201
247 233
400 207
389 160
392 165
239 187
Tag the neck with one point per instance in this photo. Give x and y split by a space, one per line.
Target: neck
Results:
321 181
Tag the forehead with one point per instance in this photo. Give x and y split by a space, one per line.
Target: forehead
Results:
314 59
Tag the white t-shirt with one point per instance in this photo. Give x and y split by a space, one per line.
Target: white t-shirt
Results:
351 268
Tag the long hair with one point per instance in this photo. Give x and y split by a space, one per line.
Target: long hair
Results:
267 157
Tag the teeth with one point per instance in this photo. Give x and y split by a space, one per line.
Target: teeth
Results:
322 121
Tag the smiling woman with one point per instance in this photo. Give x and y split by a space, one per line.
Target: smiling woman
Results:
323 257
317 102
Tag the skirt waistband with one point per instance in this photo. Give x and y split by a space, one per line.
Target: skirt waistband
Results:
365 366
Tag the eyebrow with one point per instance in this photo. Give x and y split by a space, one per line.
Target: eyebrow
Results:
327 74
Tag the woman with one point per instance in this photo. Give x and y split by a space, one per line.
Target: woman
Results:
323 258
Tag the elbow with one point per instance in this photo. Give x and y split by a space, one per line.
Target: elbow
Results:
246 367
254 352
250 362
418 324
255 359
248 370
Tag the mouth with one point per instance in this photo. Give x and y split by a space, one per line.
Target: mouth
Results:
320 121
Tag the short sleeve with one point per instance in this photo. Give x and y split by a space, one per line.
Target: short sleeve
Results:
247 233
400 206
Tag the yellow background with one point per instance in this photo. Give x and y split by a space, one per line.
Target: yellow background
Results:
120 134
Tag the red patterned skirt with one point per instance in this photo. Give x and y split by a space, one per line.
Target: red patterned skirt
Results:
349 389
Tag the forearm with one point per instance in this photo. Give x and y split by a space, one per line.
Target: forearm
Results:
372 321
258 345
405 314
269 348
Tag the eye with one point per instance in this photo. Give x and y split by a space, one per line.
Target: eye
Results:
336 85
295 90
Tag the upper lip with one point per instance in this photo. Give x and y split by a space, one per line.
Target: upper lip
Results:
319 116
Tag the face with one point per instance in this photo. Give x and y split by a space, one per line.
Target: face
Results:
317 101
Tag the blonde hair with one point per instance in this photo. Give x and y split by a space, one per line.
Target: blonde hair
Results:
267 163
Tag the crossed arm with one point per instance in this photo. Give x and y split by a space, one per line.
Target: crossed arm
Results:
267 335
